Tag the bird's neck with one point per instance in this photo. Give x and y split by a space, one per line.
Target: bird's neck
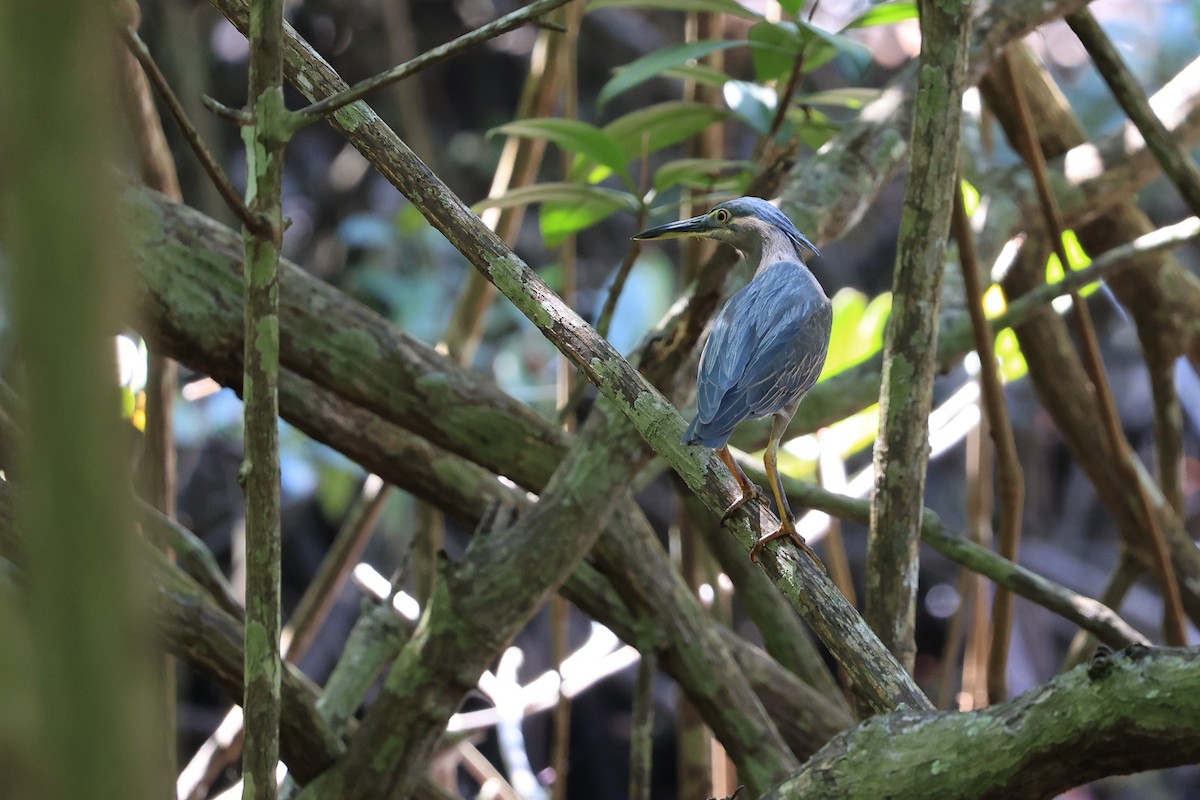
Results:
773 249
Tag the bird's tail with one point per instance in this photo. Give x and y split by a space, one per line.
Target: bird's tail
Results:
697 434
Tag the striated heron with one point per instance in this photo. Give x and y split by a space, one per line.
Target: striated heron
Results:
768 343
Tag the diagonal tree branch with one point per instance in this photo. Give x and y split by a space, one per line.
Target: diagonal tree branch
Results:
1179 168
206 268
838 624
529 14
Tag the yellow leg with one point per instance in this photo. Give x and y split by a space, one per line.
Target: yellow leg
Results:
750 490
787 525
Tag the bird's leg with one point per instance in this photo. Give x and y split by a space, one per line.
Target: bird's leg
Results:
750 490
787 519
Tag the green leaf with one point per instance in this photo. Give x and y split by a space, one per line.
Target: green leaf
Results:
821 46
654 64
848 97
792 7
885 14
700 73
574 136
711 6
774 48
561 218
566 207
813 127
703 173
561 193
652 128
752 102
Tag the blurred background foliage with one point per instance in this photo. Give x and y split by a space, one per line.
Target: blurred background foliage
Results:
628 157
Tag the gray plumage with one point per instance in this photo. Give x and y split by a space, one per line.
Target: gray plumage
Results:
767 346
766 349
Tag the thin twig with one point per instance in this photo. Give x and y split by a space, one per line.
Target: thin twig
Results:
1012 482
618 285
238 116
1173 605
228 192
1103 266
1083 611
1179 168
438 54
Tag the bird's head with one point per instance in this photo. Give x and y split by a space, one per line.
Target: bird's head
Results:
750 224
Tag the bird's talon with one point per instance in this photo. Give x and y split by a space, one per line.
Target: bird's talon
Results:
796 538
755 493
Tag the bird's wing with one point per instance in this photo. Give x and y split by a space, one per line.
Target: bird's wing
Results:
766 350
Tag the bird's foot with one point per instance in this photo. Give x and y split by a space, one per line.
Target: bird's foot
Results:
750 492
789 531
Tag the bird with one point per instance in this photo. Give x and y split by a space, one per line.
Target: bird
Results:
767 346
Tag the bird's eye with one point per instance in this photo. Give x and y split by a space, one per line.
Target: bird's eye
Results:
722 215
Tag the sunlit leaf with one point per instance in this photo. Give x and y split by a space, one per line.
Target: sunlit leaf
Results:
752 102
792 7
848 307
1077 259
970 198
993 301
848 97
858 327
874 324
856 432
711 6
885 14
656 63
574 136
701 173
1008 352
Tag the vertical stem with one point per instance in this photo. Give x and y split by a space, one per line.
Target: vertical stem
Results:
641 736
902 449
1012 482
265 140
694 766
75 668
975 675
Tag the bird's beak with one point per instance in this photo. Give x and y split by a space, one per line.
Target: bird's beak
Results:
696 226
